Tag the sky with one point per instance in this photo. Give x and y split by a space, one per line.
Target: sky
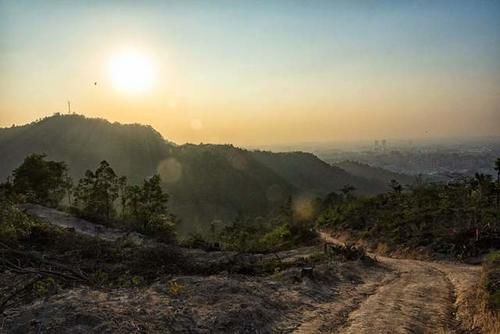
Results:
257 72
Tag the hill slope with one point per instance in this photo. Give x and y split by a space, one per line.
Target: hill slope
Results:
218 181
205 182
309 173
374 173
133 150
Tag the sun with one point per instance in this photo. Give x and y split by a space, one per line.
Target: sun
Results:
131 71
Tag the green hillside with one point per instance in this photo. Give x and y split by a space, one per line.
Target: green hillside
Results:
374 173
218 181
309 173
132 149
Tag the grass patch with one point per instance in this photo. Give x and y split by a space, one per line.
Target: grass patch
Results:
491 280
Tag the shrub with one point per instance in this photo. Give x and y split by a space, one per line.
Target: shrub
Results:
14 224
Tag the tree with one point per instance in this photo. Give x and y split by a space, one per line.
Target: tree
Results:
153 201
396 186
83 192
147 206
41 181
106 188
6 191
331 200
97 191
484 184
122 187
68 187
347 191
132 200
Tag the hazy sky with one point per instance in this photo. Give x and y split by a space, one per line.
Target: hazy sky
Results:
258 72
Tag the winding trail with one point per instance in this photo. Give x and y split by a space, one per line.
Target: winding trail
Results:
417 297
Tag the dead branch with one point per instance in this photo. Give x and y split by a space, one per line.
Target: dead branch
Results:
38 257
4 303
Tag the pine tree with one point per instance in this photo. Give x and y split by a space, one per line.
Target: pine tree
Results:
153 203
41 181
132 200
97 191
148 209
122 187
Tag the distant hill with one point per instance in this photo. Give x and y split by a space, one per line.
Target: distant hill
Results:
206 182
133 150
307 172
218 181
382 175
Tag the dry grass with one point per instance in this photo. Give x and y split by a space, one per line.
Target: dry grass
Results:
487 318
480 313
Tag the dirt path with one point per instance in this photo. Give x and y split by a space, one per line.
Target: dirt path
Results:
423 297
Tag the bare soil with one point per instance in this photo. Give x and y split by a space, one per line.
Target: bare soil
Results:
421 297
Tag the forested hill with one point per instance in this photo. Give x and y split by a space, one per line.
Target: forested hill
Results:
132 149
220 181
205 182
307 171
374 173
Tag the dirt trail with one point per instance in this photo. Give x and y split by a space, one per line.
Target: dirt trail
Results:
423 297
410 297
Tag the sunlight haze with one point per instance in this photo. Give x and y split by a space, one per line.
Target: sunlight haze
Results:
253 73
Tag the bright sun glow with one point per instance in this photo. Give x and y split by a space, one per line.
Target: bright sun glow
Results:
131 71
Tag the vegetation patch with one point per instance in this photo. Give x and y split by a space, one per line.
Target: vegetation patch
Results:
278 231
458 219
491 281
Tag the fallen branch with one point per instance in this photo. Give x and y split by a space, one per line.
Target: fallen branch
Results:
21 270
41 259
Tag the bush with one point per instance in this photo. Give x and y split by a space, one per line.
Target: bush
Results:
14 224
196 240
